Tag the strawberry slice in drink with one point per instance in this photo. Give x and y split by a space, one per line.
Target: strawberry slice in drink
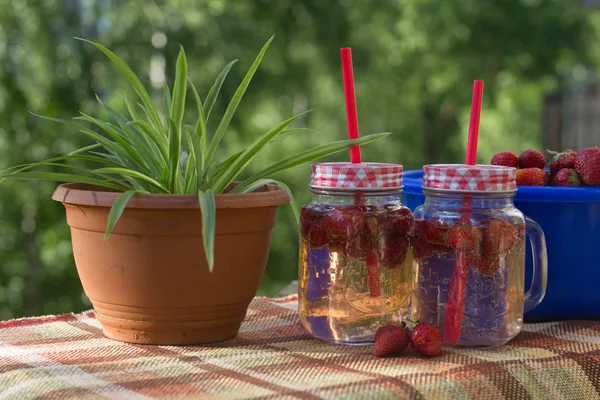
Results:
500 236
347 230
430 238
464 238
313 228
392 250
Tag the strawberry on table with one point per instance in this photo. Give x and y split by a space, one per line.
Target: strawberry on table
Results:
532 158
566 177
426 339
390 340
506 159
531 177
587 163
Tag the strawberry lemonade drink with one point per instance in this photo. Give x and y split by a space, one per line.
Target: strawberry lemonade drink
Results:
469 272
355 252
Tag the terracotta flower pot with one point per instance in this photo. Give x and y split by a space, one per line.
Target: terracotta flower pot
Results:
149 281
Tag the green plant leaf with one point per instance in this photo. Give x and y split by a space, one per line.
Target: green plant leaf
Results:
233 104
227 163
194 147
179 90
133 80
294 131
85 149
262 182
213 93
130 109
120 145
117 210
132 174
174 154
308 156
190 175
140 143
242 161
209 175
166 106
62 177
160 140
200 130
53 162
209 211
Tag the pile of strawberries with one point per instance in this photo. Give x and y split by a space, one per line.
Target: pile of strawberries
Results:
359 231
483 244
567 168
424 338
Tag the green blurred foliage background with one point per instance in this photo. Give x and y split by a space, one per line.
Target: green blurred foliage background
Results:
414 63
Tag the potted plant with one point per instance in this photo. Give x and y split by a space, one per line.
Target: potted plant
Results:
170 243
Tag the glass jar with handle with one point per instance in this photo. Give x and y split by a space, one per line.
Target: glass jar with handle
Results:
355 252
470 255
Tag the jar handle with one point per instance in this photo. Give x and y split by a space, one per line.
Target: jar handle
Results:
539 277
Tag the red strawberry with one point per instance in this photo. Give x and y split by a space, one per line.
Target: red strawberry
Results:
532 158
566 159
346 226
359 244
499 236
506 159
463 238
587 163
433 231
426 339
318 235
484 265
307 216
313 228
531 177
566 177
399 221
430 238
390 340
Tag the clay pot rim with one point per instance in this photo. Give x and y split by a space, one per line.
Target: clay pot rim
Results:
81 194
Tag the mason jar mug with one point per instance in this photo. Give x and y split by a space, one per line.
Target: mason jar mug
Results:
469 255
355 252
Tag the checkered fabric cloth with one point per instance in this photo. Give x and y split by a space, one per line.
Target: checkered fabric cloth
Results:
273 357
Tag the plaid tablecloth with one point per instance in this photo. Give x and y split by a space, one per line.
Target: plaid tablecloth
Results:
67 357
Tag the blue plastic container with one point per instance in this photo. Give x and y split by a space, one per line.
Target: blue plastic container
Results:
570 218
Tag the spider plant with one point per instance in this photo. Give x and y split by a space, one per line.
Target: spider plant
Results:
142 152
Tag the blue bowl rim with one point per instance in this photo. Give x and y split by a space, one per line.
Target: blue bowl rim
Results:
412 180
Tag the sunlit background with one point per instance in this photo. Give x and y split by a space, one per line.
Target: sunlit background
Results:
414 64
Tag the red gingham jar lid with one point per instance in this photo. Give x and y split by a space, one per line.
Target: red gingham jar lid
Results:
469 178
363 176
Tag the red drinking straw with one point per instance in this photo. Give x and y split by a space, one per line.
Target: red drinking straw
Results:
458 281
351 113
352 118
